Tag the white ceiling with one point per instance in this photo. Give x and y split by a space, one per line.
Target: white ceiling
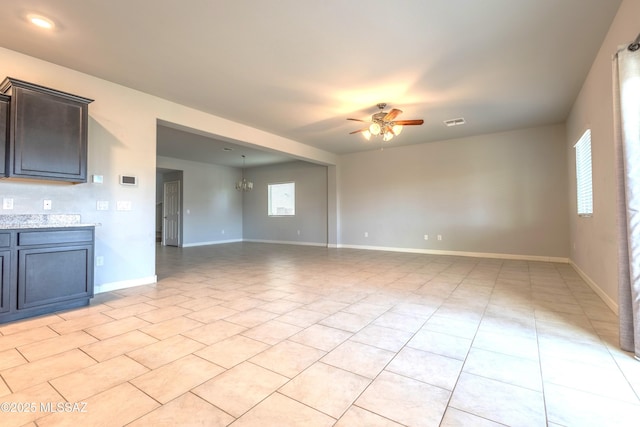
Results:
299 68
179 142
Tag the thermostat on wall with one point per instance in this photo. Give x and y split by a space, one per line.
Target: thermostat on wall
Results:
128 180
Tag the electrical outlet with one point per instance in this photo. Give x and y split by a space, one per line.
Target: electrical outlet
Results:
46 205
7 203
366 234
222 231
426 237
439 236
298 232
99 261
102 205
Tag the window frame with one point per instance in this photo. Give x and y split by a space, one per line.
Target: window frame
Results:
269 199
584 175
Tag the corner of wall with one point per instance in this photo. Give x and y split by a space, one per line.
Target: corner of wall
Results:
594 286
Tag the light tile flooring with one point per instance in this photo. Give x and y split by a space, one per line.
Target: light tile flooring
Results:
252 334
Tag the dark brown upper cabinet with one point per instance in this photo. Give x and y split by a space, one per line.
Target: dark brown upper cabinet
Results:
47 135
4 130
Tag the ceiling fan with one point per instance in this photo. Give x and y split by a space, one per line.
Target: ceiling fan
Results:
383 123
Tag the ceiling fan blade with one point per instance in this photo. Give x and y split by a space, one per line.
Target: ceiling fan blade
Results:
358 120
358 131
408 122
392 115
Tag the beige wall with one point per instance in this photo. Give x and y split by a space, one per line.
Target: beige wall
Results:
310 219
211 206
507 193
121 137
504 193
122 140
593 240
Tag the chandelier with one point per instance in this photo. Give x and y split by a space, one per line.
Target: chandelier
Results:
243 184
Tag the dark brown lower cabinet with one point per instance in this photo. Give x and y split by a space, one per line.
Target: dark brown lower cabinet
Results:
4 281
50 270
52 275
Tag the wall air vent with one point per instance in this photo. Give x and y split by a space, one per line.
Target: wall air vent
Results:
128 180
455 122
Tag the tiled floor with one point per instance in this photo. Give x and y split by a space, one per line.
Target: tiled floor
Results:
254 334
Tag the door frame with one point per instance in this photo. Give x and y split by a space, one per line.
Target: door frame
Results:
178 184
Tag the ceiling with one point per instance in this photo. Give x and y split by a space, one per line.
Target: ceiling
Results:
189 144
299 68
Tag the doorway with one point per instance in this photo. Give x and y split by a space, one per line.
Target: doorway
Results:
169 207
171 214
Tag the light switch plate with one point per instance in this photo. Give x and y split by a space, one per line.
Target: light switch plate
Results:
46 205
102 205
123 205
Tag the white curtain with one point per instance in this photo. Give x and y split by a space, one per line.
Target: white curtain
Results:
627 143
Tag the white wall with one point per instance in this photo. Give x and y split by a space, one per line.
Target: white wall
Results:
504 193
211 206
311 204
593 240
122 140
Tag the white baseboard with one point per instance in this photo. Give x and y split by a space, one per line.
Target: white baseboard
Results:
286 242
490 255
114 286
460 253
597 289
216 242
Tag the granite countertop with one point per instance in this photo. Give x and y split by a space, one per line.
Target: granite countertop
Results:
18 221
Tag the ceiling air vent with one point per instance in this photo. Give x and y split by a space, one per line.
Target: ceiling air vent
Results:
454 122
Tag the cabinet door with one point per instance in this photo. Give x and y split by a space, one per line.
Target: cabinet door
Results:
48 136
4 281
54 275
4 129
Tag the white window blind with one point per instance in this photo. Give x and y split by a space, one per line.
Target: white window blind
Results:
583 174
282 199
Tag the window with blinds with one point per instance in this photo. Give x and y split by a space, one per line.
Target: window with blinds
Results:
583 174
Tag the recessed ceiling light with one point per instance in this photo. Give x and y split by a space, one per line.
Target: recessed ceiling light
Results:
41 21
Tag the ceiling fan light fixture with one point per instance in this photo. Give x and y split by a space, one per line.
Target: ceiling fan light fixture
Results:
384 123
